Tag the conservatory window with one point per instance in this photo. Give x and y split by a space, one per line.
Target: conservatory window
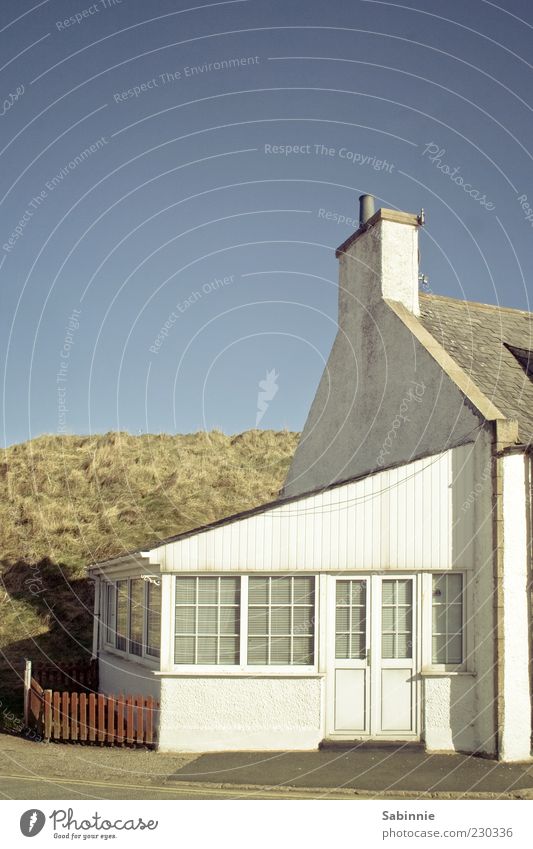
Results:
280 621
207 620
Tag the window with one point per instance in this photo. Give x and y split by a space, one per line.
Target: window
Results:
136 616
207 620
247 621
153 619
132 617
447 619
350 620
397 619
110 613
122 615
280 621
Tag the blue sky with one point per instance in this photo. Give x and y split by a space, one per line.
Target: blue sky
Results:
162 241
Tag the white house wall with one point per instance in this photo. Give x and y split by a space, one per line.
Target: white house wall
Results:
409 517
216 713
118 675
516 720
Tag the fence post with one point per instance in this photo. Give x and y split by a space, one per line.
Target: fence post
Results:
27 687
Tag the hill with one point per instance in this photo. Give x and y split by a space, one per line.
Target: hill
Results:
66 501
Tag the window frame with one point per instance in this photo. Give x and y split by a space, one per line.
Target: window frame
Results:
110 645
243 668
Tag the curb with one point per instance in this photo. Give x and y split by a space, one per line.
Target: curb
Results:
348 793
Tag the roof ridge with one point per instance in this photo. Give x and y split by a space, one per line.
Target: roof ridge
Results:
476 304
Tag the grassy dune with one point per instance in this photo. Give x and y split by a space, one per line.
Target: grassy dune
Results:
70 500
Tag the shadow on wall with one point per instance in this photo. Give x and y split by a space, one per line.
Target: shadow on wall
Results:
451 721
46 613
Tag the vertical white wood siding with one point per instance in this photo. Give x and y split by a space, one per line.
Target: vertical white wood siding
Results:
409 517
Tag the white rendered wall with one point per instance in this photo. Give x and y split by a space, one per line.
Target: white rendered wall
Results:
516 727
210 713
121 676
450 715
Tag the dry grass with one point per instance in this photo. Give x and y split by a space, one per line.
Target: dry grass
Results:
70 500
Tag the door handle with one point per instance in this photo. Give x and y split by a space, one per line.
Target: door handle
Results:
368 657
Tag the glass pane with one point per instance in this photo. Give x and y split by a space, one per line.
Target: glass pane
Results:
439 618
281 590
454 650
185 590
229 650
122 614
303 651
184 650
439 587
258 591
403 592
387 644
404 619
229 590
257 650
454 585
358 649
136 615
403 645
342 646
207 590
229 620
388 619
439 649
110 612
343 619
258 620
358 592
455 618
185 620
303 620
280 650
304 590
154 619
207 650
388 592
343 592
281 620
207 620
358 619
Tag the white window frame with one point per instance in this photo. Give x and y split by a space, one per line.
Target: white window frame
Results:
241 668
110 646
427 617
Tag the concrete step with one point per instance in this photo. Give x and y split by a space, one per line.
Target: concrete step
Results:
369 745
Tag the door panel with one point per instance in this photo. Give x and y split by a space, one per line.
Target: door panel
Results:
396 700
350 700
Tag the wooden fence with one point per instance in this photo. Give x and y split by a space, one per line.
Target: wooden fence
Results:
91 717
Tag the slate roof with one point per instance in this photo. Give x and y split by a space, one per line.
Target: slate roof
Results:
476 336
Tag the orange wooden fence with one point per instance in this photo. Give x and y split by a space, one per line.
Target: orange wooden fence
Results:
93 717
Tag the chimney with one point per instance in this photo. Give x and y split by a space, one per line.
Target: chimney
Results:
379 261
366 210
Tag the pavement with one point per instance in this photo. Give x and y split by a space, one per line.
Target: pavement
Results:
30 770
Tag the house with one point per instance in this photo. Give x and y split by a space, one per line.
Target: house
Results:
385 594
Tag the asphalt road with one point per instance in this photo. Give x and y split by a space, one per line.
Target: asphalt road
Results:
40 787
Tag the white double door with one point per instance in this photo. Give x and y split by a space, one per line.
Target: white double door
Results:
373 657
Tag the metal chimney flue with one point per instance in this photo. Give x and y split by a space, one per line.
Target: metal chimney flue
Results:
366 209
